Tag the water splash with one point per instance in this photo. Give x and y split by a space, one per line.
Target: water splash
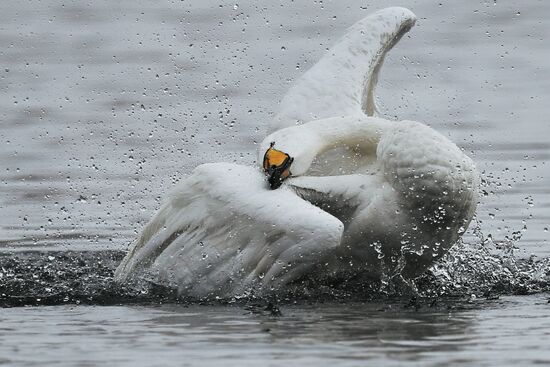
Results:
485 269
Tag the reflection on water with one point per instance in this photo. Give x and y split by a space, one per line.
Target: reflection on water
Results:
504 332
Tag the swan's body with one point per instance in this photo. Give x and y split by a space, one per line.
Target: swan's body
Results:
369 196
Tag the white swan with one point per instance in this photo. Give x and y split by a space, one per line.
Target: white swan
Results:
366 196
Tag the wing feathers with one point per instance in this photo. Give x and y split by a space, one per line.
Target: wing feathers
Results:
223 232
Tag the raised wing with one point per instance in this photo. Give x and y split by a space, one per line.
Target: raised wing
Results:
223 233
343 81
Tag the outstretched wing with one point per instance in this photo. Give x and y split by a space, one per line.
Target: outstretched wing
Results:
342 83
223 233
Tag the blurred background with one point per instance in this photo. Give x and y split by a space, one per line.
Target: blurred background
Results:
105 105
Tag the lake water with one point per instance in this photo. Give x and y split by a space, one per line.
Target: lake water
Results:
512 331
104 106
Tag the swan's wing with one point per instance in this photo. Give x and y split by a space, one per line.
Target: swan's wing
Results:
343 81
223 233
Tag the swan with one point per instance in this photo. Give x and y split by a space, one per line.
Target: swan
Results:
348 193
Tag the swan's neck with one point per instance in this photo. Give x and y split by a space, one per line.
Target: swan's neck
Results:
343 81
307 141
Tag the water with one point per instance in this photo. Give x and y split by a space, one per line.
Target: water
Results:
480 333
104 106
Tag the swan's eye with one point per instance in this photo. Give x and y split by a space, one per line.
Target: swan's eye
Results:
276 166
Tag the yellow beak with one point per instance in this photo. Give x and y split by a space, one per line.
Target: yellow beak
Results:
276 166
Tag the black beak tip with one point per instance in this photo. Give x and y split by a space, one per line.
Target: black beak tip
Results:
276 174
274 181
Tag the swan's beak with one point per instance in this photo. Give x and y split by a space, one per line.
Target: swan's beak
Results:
276 166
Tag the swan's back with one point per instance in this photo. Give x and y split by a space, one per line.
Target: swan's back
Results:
409 194
429 171
427 197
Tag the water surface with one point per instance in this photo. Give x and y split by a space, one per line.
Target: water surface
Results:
505 332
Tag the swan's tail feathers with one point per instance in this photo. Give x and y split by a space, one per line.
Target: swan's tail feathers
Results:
343 81
224 233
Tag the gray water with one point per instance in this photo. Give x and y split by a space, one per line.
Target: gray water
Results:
104 106
506 332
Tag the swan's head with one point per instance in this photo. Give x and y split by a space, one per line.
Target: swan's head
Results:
276 166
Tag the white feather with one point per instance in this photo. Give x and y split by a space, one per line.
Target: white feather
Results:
223 232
